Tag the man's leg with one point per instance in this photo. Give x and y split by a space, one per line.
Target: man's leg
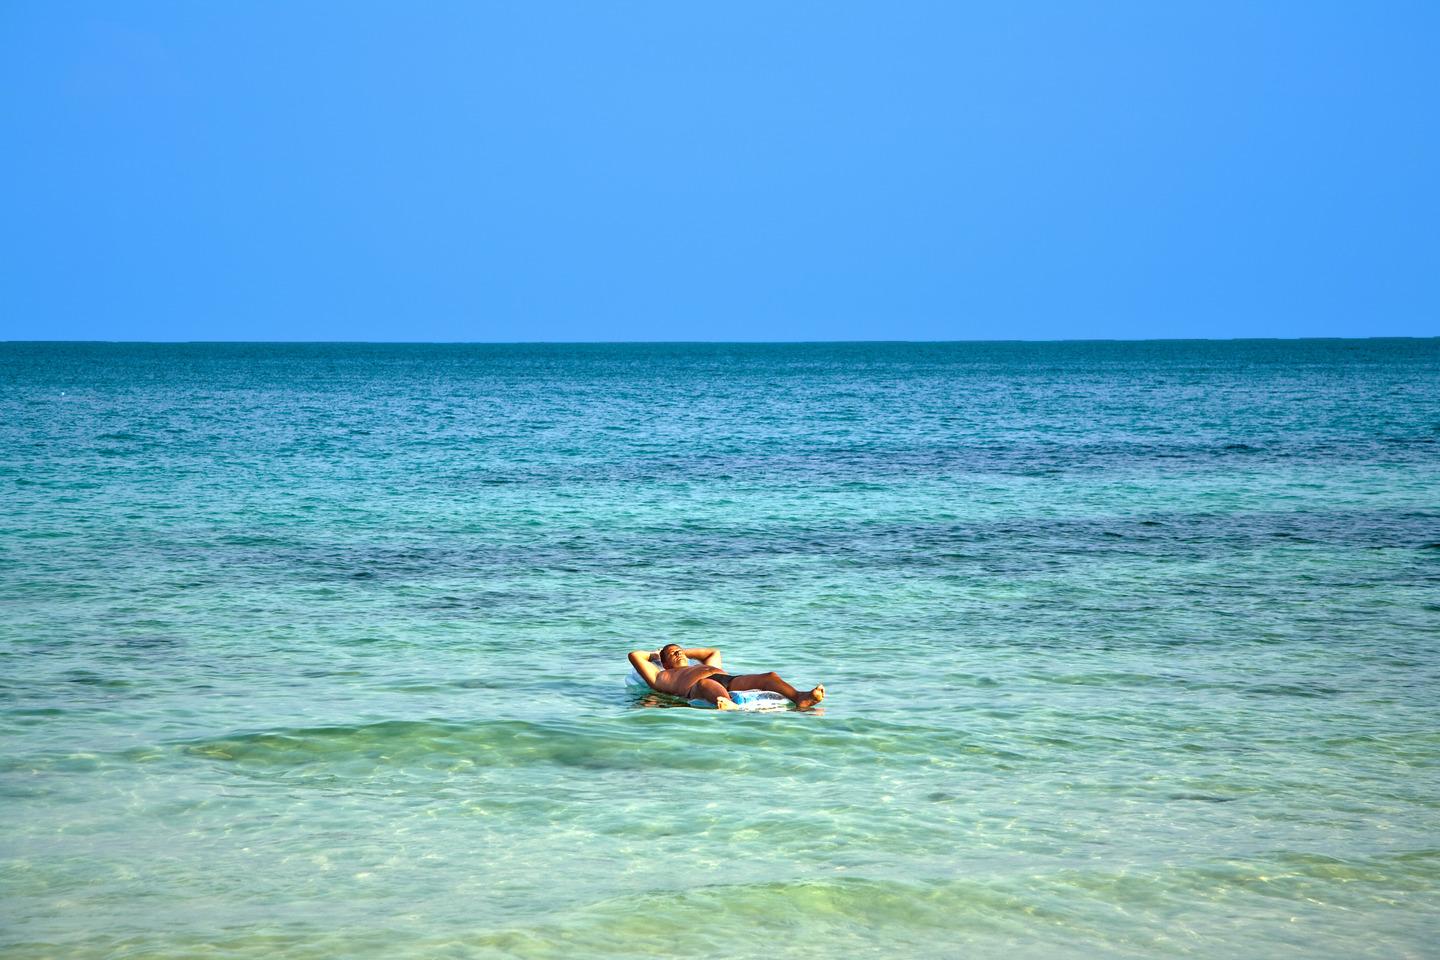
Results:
771 681
708 689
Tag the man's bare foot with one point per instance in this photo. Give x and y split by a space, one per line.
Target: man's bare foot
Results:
808 700
723 703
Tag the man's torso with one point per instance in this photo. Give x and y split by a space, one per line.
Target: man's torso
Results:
681 679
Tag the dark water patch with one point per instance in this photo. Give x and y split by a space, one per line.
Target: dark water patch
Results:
91 679
877 464
1306 690
150 641
1204 797
496 743
414 687
694 552
252 540
483 683
445 687
783 737
479 601
1103 678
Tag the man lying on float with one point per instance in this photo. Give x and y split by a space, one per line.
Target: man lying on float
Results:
674 675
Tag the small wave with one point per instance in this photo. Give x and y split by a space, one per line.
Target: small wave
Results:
500 743
1205 797
1293 690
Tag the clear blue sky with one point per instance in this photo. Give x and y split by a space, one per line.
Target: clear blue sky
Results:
718 171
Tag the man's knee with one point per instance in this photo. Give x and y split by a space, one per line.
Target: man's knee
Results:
708 689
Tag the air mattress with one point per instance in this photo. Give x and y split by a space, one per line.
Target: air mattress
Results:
744 699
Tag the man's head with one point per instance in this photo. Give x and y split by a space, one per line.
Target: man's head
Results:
672 655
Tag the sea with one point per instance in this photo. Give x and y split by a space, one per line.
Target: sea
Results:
1131 649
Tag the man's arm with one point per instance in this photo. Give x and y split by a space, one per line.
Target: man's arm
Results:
706 655
648 669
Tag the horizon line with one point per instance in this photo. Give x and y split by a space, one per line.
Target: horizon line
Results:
579 343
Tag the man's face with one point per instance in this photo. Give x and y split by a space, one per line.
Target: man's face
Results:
671 657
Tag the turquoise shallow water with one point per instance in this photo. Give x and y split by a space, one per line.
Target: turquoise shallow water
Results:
1133 650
